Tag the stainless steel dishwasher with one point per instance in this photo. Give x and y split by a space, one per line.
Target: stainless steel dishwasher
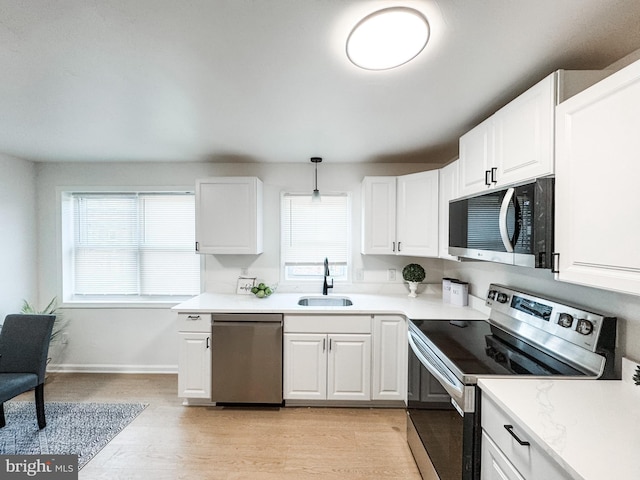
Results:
246 358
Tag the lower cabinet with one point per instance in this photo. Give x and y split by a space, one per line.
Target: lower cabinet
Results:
509 453
327 366
389 376
194 372
327 357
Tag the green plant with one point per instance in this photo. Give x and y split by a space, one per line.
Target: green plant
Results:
50 309
413 273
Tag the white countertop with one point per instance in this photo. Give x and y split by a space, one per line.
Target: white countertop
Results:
424 306
590 427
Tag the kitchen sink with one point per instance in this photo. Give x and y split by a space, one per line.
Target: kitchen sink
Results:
325 302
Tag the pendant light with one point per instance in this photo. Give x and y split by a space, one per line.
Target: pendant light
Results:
315 196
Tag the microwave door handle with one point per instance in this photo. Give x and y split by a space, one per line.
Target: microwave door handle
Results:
504 210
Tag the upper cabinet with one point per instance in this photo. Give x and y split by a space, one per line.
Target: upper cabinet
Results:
517 142
449 186
400 215
597 169
229 215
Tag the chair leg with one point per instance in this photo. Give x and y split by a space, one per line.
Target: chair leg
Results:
2 422
40 406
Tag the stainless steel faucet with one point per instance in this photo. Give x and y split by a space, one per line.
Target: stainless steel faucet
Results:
325 285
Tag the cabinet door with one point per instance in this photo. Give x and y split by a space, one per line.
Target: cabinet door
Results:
305 366
476 154
524 134
229 215
494 465
349 367
417 214
194 365
389 379
378 215
597 169
449 186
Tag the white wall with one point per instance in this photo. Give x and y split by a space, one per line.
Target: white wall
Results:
625 307
18 239
145 339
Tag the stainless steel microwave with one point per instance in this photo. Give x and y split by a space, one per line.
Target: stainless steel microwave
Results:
512 226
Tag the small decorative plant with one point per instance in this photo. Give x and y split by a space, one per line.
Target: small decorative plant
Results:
50 309
414 274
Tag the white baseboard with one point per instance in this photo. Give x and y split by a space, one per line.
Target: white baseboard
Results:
97 368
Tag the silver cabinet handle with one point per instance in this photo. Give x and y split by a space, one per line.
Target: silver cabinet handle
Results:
329 344
208 344
399 243
324 344
494 170
193 317
393 248
486 177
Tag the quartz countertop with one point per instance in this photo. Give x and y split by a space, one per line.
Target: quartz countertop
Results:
424 306
590 427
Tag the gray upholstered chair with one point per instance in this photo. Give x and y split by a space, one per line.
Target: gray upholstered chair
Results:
24 346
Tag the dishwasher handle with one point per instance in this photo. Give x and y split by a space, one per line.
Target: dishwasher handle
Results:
247 317
219 324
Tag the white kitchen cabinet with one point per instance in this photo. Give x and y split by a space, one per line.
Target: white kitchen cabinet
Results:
194 356
323 362
509 452
389 375
400 215
379 215
327 367
597 169
448 190
305 366
229 215
516 143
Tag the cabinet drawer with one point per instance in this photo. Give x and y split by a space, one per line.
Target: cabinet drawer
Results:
530 460
194 322
327 323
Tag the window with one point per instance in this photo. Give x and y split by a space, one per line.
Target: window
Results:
136 246
313 231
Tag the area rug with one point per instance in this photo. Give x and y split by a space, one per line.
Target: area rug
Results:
81 429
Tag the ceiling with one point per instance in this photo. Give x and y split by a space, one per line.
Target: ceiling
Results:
269 81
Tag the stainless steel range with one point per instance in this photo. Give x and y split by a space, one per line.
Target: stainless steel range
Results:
524 335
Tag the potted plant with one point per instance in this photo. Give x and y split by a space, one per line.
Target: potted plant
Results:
413 274
58 325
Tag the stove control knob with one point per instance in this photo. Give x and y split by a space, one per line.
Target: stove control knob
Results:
492 294
565 320
502 298
584 326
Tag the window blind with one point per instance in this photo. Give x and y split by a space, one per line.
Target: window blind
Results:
134 244
313 231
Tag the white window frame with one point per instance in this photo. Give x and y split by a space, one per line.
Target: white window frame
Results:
315 278
65 242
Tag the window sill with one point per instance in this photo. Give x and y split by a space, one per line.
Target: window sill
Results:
148 304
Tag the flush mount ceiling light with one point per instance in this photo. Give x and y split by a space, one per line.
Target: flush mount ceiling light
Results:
315 196
388 38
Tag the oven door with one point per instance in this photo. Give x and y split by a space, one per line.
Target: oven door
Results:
443 439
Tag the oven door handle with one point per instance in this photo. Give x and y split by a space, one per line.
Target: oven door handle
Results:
504 211
455 389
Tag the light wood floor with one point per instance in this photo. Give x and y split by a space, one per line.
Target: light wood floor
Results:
171 441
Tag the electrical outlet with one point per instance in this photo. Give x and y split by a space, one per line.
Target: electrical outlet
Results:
359 274
244 272
391 274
